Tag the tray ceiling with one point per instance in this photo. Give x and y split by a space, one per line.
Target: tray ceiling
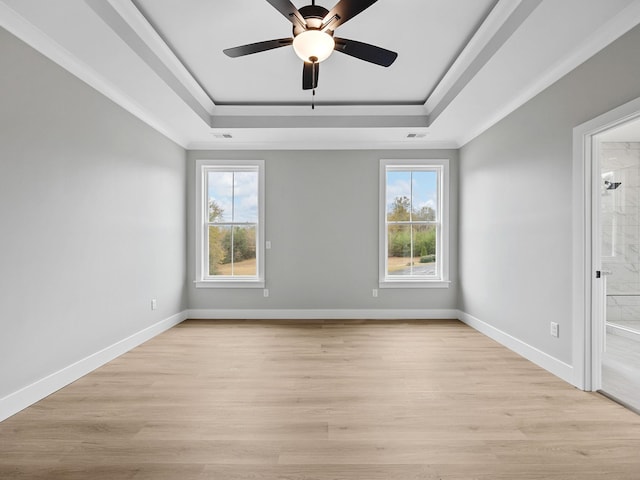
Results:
426 49
462 65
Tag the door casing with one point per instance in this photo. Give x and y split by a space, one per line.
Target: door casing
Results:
588 292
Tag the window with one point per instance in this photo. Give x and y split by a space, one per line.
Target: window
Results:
230 223
413 223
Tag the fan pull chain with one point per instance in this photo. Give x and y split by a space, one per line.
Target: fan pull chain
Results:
314 62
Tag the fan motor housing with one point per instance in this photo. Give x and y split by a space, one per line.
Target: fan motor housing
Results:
314 15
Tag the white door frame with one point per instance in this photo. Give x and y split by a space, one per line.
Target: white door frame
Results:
588 308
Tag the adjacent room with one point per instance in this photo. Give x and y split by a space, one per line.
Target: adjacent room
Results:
266 239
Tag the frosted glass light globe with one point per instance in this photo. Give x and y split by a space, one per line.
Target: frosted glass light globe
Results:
313 43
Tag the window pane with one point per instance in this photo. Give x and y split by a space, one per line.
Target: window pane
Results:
217 251
399 259
413 222
424 247
412 250
424 200
245 201
398 201
220 196
235 251
230 213
244 250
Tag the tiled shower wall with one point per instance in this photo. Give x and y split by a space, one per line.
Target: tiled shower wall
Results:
620 162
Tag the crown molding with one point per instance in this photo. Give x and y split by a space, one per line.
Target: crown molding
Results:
494 20
148 34
307 144
322 121
605 35
501 23
128 23
36 39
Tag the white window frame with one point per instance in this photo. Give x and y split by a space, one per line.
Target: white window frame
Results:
442 237
203 280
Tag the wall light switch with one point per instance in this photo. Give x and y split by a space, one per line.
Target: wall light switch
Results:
265 292
555 329
154 304
267 244
374 293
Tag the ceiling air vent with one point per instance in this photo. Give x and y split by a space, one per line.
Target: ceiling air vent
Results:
416 135
223 135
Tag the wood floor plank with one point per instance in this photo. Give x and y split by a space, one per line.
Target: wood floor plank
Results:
321 400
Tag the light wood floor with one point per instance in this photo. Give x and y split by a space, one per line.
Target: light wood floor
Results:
321 401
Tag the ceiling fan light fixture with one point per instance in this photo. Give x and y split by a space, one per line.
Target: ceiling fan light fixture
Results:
313 45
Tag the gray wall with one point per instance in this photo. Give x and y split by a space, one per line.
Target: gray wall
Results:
92 218
326 203
515 201
93 207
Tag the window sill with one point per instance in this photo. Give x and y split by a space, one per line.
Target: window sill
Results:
229 283
414 284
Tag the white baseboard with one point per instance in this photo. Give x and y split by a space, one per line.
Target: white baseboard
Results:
319 314
544 360
14 402
21 399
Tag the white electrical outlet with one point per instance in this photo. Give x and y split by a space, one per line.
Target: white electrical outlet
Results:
374 293
265 292
555 329
154 304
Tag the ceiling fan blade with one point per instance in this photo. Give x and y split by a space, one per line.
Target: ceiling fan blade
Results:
310 73
257 47
365 51
346 10
288 9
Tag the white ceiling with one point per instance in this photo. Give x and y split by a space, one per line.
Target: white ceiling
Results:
276 76
462 65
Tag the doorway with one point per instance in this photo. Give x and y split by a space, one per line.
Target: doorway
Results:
616 157
606 260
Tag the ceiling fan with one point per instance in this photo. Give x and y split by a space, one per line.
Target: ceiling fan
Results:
313 39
